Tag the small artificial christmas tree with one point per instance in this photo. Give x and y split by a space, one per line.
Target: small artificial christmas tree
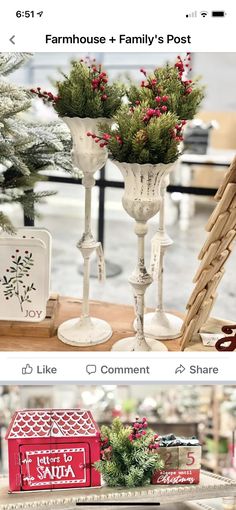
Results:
168 89
49 149
25 149
128 458
141 135
85 92
12 101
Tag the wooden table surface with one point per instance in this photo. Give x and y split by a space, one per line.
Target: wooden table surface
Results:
211 487
119 316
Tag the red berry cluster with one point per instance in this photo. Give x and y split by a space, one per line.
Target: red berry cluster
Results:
156 112
150 113
183 66
104 139
119 139
177 132
138 429
99 80
150 83
188 88
105 449
47 97
162 99
154 443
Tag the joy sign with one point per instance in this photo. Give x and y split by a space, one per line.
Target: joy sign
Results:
24 275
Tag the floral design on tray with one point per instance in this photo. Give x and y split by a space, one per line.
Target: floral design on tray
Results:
15 281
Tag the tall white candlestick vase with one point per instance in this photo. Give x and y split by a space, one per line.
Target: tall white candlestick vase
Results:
141 200
161 324
88 157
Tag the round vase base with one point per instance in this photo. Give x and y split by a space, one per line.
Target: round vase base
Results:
130 344
84 332
161 325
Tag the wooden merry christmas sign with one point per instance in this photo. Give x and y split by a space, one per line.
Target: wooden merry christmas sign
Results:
53 449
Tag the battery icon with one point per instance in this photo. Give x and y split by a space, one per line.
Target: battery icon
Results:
218 14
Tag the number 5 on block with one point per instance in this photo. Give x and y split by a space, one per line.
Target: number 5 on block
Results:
189 457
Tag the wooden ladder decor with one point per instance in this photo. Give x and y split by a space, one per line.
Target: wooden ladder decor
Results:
213 255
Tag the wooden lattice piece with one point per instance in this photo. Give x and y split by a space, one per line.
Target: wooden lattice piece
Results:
213 255
229 177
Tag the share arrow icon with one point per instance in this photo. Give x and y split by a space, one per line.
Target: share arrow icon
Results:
180 369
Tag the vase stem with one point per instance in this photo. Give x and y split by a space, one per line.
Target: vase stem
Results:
160 306
87 233
140 280
87 244
87 219
161 233
140 295
85 304
161 324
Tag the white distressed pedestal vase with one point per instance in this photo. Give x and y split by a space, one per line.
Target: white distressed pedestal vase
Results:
141 200
88 157
161 324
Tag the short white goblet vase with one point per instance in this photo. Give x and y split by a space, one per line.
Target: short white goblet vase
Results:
141 200
161 324
88 157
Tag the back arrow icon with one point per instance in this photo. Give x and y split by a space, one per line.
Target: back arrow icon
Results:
12 39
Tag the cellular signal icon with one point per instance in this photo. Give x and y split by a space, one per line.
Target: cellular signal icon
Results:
192 14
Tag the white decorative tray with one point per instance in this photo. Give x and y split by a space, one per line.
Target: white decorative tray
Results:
211 487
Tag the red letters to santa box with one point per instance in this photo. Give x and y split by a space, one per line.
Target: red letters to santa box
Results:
53 449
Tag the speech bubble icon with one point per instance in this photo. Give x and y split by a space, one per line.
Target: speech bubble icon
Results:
91 369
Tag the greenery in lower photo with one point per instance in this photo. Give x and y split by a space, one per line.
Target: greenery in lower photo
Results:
127 457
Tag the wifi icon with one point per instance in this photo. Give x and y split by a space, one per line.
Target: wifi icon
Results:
204 13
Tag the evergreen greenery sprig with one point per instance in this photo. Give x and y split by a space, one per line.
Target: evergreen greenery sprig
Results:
85 92
14 285
140 135
10 62
169 89
126 459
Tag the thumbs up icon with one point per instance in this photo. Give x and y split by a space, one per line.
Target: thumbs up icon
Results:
27 370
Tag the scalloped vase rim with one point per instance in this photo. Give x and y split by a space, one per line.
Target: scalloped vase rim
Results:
143 165
85 118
